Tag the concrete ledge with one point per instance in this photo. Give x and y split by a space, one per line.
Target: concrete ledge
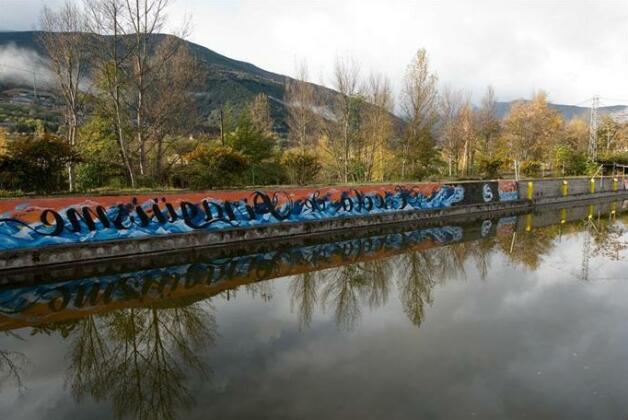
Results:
105 250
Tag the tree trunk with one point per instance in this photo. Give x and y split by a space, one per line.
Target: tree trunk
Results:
72 123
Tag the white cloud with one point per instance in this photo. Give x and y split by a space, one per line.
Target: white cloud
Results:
24 66
572 49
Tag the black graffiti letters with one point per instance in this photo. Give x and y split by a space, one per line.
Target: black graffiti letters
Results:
57 226
259 206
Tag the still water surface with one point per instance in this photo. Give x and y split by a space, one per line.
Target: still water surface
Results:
500 319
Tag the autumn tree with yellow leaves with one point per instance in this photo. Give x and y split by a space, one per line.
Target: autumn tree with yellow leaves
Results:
530 129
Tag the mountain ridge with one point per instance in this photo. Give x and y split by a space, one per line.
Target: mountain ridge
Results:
567 111
235 81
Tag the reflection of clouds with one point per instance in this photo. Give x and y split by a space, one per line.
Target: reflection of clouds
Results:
495 340
12 365
137 362
559 354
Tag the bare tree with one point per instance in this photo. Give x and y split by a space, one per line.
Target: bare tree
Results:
170 108
377 127
341 130
259 110
466 124
110 53
63 38
488 124
450 104
302 118
145 18
145 80
419 105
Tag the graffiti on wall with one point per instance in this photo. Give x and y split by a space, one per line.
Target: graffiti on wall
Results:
48 222
508 190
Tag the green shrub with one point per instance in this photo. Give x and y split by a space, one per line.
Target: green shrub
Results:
212 166
531 168
571 162
489 168
302 167
268 172
36 164
93 175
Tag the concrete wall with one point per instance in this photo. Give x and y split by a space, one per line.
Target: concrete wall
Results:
554 187
429 201
39 223
86 251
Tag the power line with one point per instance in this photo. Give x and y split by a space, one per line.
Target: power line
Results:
616 99
588 100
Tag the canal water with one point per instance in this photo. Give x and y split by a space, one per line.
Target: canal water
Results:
513 317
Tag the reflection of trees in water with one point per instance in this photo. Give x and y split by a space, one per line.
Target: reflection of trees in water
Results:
608 239
304 296
481 252
528 248
136 358
416 279
377 275
346 287
89 360
342 290
150 347
263 289
12 365
419 272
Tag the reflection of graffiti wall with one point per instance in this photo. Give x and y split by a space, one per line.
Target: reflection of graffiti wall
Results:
75 298
33 223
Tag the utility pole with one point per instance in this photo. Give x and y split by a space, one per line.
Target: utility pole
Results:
222 128
595 103
35 87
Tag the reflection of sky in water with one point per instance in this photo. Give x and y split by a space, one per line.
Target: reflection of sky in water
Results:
520 343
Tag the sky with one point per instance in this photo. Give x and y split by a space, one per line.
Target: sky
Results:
571 49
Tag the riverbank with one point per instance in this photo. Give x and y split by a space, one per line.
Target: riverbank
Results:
75 291
48 232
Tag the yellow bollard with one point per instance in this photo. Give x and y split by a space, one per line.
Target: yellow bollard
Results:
563 216
530 190
615 184
590 214
529 222
592 186
565 188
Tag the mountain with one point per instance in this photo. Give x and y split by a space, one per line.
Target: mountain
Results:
569 111
227 80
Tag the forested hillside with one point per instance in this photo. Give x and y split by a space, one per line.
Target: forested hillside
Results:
107 101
